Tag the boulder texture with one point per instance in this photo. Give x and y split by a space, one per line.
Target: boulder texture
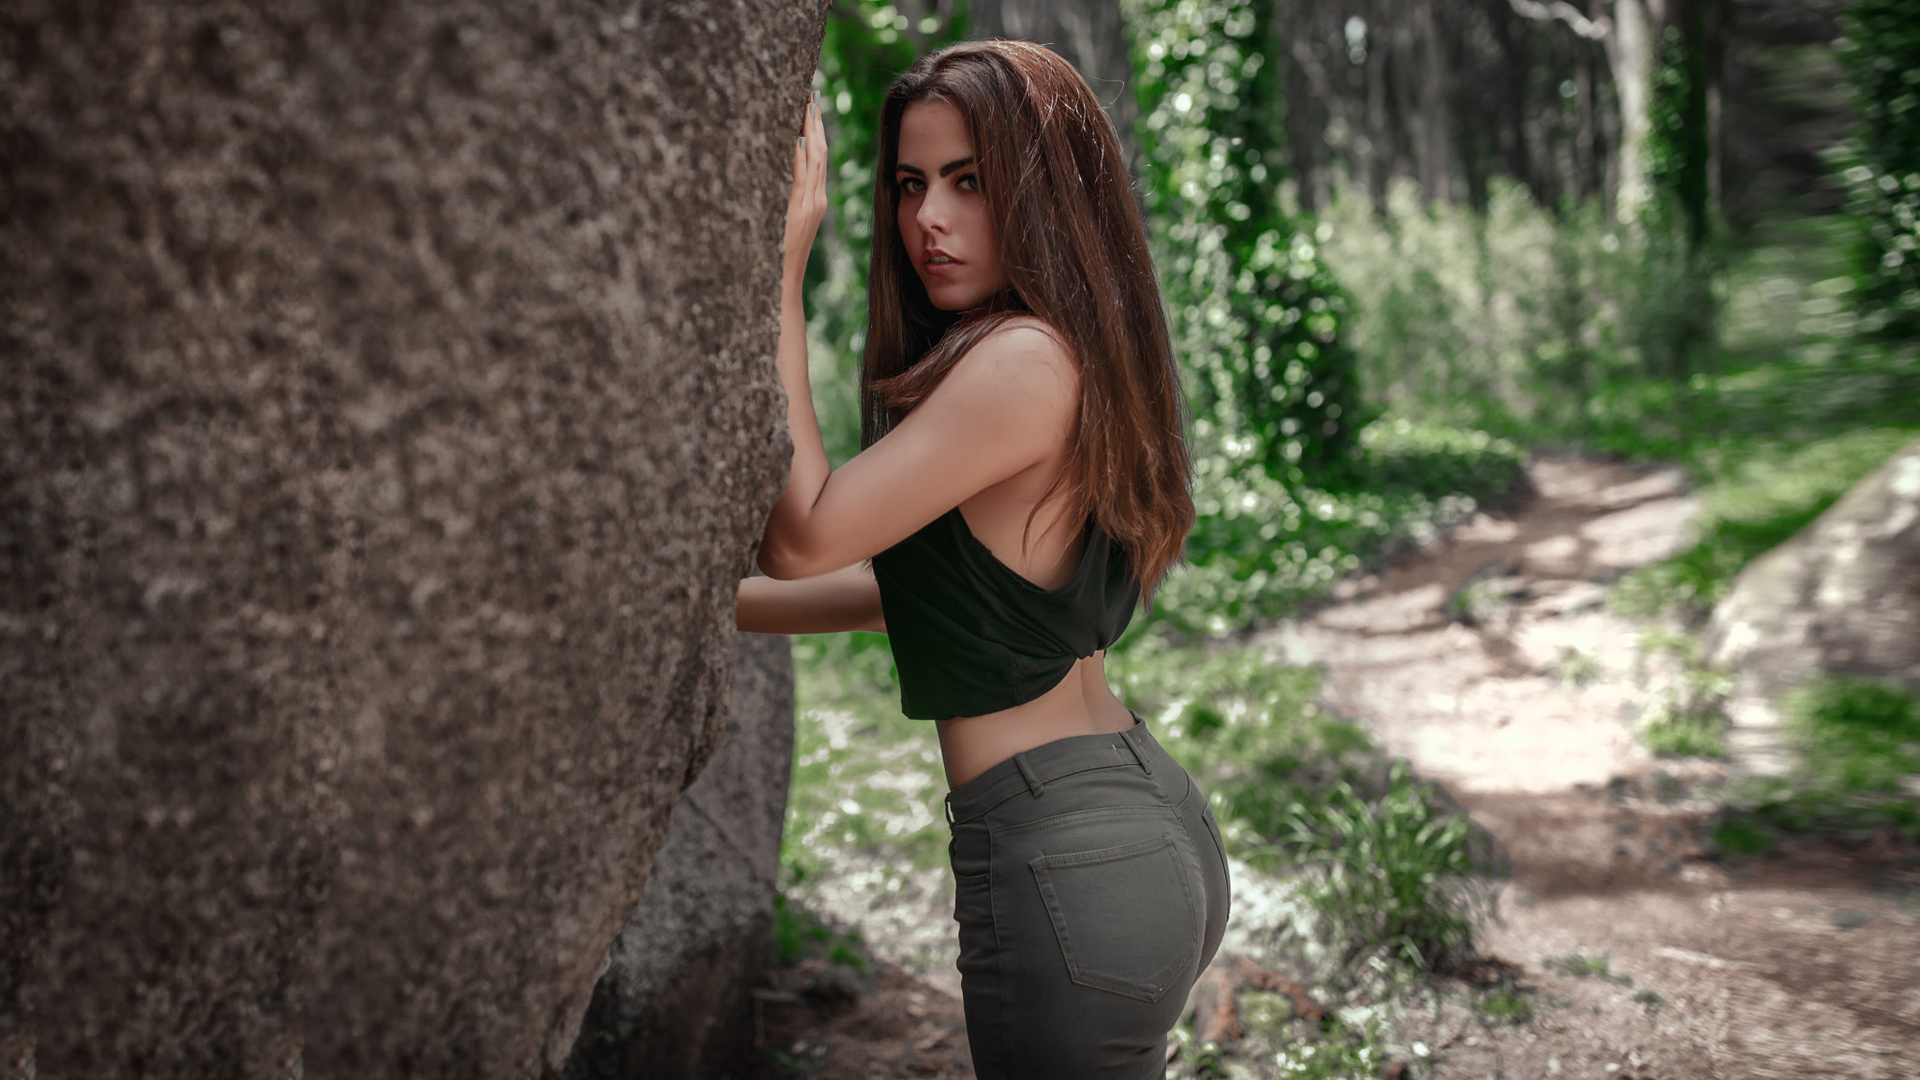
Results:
390 413
1842 596
675 1002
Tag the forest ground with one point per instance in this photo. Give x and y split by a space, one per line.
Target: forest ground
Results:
1621 948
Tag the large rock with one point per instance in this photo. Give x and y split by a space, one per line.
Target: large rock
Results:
1842 596
675 1001
390 413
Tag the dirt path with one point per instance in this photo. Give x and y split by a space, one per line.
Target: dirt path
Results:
1647 959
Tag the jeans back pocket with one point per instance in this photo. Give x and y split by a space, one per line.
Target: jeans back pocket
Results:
1127 917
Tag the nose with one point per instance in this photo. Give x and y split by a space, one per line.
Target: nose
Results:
932 216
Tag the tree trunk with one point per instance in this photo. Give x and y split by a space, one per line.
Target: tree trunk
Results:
391 414
1630 54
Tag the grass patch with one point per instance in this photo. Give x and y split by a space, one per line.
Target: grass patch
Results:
1575 667
1344 1051
1856 736
1582 966
1506 1003
1857 743
864 776
1689 719
799 935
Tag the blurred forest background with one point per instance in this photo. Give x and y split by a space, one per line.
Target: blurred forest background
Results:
1404 243
1406 246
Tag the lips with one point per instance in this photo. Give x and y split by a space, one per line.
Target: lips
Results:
935 261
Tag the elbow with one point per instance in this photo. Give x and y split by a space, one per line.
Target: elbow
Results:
783 562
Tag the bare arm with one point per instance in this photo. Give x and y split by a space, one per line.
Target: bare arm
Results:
847 599
1010 403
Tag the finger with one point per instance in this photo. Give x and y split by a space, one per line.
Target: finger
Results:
818 140
815 139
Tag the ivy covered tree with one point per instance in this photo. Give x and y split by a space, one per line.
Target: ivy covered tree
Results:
1881 52
1678 150
1256 315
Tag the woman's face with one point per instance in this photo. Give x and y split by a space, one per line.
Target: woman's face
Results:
943 216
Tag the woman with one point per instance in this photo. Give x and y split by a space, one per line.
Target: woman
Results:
1017 374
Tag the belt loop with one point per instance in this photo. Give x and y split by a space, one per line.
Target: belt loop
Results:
1026 771
1138 754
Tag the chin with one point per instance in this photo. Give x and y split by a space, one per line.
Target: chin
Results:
956 299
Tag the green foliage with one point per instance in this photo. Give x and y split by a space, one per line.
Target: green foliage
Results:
1508 1003
1391 877
1256 315
1344 1051
1544 327
1689 719
1582 966
798 935
1677 152
865 777
1856 735
1575 667
1260 548
1880 49
1858 770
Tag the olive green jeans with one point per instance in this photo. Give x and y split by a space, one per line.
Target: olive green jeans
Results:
1091 890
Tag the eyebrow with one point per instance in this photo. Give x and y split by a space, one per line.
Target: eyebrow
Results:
945 170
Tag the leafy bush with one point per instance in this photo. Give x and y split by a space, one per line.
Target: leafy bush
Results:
798 935
1256 317
1551 327
1391 877
1880 49
1261 548
1343 1052
1689 719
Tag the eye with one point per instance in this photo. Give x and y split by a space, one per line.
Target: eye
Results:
970 182
910 185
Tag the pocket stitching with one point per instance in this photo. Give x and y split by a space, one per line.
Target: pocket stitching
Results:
1042 866
1084 815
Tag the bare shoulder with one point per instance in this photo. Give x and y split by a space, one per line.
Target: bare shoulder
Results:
1024 358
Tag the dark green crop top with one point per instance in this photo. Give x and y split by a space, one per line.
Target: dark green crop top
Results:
971 636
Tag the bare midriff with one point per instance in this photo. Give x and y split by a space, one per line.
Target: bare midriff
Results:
1080 705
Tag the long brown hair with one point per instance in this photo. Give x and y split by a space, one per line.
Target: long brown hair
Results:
1075 253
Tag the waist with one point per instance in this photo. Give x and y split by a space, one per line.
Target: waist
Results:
1029 771
970 745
